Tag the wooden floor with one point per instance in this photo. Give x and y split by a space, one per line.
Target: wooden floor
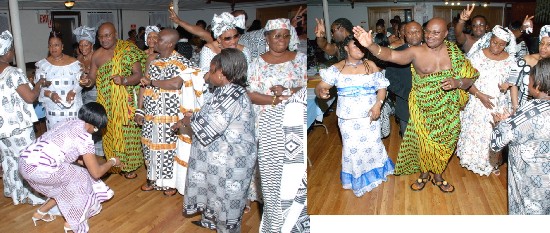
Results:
130 210
473 194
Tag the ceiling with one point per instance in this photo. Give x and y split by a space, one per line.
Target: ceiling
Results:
139 4
371 1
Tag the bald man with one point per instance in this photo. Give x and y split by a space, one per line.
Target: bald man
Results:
440 77
116 69
167 93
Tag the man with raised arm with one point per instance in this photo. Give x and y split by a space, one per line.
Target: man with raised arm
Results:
479 28
440 76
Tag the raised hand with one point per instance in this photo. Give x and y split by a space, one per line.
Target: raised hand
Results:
364 37
466 13
527 24
320 28
173 16
298 17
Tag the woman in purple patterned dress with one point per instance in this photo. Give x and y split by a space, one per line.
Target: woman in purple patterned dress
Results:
49 167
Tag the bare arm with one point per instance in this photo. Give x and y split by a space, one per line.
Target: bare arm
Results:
328 48
322 90
398 57
28 95
94 168
194 29
514 98
262 99
131 80
464 16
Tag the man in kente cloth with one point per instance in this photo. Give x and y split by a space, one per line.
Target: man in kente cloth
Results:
116 70
440 78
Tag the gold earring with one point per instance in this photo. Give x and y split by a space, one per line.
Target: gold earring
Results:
95 129
219 77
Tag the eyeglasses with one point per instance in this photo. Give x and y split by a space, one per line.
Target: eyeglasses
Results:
279 36
332 30
478 25
428 32
229 38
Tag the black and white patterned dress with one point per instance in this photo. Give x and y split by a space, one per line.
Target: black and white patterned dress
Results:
283 170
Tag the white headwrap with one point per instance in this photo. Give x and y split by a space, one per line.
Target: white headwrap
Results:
283 23
500 32
150 29
6 39
226 21
544 31
85 33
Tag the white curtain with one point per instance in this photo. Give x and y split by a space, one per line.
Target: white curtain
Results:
159 17
97 18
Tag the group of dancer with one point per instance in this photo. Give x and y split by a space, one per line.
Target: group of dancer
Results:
214 132
472 102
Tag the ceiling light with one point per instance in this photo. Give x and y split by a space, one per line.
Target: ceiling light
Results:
69 4
446 2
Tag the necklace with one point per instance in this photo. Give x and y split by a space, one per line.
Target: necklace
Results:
58 58
354 65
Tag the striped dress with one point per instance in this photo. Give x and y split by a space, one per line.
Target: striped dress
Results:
122 138
434 124
49 167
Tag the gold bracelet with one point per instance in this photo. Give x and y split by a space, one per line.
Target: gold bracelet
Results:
379 50
273 102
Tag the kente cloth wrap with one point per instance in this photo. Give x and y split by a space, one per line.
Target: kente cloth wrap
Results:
122 135
85 33
434 124
5 42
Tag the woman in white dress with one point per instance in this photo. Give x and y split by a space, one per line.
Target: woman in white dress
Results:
494 63
63 97
361 93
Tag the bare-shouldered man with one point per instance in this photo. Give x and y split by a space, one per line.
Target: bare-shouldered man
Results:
479 28
440 76
116 69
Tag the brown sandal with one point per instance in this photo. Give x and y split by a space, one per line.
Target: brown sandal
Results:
148 186
443 183
129 175
170 192
420 181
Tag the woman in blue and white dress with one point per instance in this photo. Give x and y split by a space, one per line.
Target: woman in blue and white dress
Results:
361 93
62 98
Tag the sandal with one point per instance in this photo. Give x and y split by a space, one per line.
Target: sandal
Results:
148 186
443 183
247 209
420 181
129 175
170 192
496 172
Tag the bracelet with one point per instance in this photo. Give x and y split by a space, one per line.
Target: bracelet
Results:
379 50
114 161
50 95
475 94
273 102
125 81
460 82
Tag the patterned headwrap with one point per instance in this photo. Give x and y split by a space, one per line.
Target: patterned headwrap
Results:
544 31
85 33
283 23
226 21
150 29
5 42
500 32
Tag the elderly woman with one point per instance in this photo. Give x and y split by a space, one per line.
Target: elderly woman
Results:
361 93
527 132
151 39
62 98
274 77
494 63
223 151
49 165
17 116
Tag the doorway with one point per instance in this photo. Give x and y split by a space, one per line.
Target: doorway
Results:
65 22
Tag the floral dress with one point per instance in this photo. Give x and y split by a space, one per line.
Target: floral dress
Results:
365 162
475 135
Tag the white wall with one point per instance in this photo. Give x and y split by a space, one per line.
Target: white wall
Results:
422 12
35 35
